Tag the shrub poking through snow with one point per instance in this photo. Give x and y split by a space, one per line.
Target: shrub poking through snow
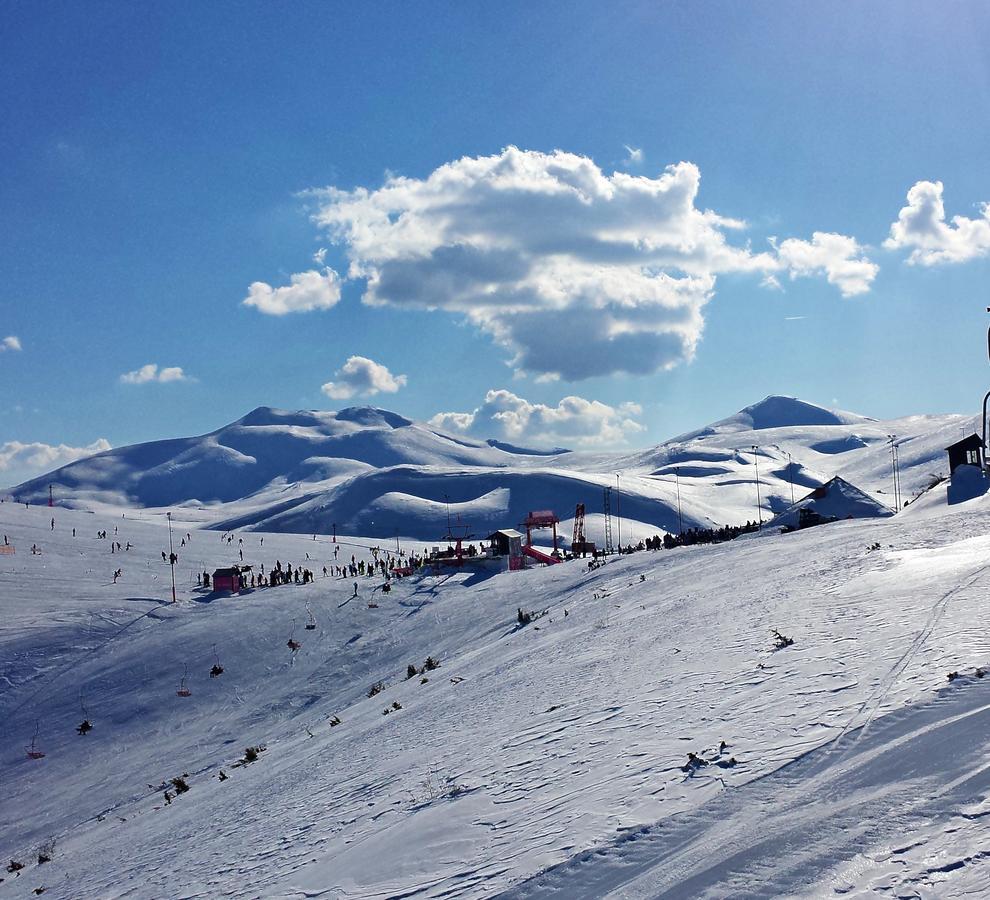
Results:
524 618
411 671
376 688
780 640
180 784
952 676
334 721
46 851
15 866
430 664
396 704
250 754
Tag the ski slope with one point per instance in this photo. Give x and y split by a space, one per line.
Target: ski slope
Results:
538 760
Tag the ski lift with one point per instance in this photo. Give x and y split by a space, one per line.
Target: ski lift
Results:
183 691
311 624
217 669
84 727
292 643
33 752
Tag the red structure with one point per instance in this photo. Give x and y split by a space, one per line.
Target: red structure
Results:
541 518
231 579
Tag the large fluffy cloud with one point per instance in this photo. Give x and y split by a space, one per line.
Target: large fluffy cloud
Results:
576 272
574 421
21 461
151 372
362 376
306 291
921 227
11 342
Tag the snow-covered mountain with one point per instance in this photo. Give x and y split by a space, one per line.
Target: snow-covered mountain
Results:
373 472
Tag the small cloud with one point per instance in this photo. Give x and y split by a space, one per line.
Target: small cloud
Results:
151 372
360 375
320 257
10 342
794 318
573 421
922 228
305 292
839 257
635 156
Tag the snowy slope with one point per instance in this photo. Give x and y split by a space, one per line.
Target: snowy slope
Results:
536 760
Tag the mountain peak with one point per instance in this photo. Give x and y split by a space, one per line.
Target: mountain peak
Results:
778 411
372 416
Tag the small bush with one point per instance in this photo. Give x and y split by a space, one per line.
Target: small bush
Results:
15 866
250 754
430 664
524 618
180 784
46 851
411 671
780 640
376 688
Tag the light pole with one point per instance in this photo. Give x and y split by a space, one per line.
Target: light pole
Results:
759 505
790 472
618 510
680 522
171 553
893 470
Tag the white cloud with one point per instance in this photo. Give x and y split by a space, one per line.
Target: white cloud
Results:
838 257
574 421
921 226
151 372
307 291
577 273
11 342
28 460
635 156
360 375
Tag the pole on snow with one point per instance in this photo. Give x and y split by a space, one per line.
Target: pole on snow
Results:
759 505
171 553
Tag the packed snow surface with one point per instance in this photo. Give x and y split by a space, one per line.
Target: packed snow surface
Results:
538 760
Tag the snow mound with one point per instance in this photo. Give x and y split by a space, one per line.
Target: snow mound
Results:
836 499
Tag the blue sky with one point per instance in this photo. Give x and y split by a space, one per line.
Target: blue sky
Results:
158 160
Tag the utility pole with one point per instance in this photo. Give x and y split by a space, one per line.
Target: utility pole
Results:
680 522
790 472
607 510
618 510
171 553
759 505
892 438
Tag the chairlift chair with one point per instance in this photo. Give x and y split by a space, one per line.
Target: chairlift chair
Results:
183 691
33 752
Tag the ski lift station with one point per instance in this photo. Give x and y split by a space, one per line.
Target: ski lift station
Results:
231 579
